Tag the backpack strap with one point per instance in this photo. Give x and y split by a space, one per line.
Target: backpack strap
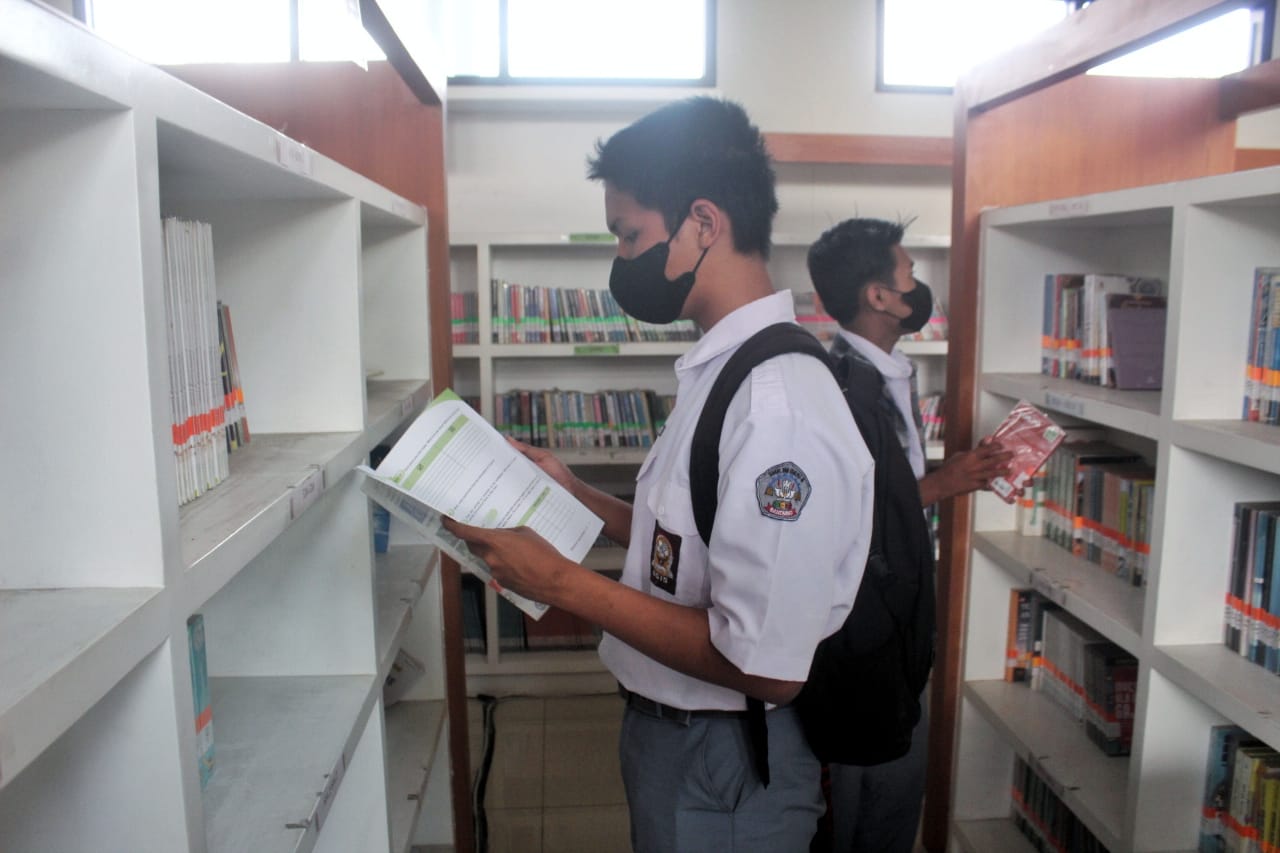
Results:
704 464
704 455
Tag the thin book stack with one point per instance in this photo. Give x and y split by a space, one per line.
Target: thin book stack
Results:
205 395
1076 338
528 314
465 317
1252 617
1241 807
1262 367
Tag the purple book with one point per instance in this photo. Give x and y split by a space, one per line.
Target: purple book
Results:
1136 331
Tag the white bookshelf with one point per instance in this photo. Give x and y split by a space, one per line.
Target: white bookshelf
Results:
1204 238
485 369
325 274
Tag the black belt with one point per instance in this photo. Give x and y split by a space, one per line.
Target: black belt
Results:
647 706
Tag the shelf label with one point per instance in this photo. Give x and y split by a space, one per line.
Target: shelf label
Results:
592 237
294 156
326 796
406 406
596 349
1075 207
306 491
1065 403
1048 587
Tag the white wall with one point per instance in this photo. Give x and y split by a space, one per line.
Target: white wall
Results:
808 66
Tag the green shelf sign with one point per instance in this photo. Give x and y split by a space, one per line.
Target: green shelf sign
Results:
596 349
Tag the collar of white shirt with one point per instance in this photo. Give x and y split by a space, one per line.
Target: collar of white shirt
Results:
736 326
892 365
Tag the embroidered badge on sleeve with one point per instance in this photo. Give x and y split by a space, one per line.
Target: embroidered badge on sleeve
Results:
781 491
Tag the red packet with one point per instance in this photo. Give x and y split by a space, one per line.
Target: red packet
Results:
1029 434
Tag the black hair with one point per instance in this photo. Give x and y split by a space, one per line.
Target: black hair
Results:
700 147
848 257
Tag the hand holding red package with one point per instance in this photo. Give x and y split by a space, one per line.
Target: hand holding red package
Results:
1031 437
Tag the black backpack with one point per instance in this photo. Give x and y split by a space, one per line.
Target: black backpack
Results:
861 700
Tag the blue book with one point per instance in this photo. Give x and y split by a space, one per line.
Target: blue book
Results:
201 697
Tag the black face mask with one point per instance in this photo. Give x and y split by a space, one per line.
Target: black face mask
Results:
642 289
920 301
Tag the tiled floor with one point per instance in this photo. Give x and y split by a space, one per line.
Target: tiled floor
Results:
554 785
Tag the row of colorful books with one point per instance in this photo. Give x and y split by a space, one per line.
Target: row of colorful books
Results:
206 398
824 327
1105 330
1262 365
1252 620
932 417
1096 500
1088 676
582 419
1044 819
1241 809
464 310
526 314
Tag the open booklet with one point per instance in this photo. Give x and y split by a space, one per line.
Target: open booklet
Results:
451 462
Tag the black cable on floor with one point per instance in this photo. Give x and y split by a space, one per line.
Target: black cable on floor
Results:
488 705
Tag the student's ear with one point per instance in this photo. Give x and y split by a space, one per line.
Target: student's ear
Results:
873 294
710 221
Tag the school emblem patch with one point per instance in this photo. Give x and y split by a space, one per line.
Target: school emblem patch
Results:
664 559
782 491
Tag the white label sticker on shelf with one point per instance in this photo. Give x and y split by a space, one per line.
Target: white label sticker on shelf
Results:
1048 587
325 802
1065 403
294 156
306 491
1076 207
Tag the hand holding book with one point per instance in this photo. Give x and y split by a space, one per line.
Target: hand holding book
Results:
1031 436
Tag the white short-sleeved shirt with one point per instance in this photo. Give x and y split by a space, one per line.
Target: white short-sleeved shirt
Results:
792 529
896 369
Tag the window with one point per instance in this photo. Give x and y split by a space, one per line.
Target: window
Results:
583 41
926 44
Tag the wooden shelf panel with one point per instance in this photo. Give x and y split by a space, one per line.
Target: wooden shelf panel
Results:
1093 785
413 746
987 836
1252 444
280 745
860 149
1102 601
1136 412
61 650
1243 692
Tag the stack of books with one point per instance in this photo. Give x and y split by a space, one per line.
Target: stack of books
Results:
465 315
525 314
206 399
582 419
1098 502
1044 819
1252 621
1241 809
1078 340
1262 365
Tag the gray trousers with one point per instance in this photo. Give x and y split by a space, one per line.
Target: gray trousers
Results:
691 787
877 809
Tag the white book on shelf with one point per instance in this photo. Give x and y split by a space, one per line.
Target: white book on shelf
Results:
451 462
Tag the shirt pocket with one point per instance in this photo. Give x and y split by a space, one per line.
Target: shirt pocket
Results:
672 507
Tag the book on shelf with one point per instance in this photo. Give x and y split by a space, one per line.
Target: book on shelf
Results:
451 462
1251 626
1134 355
932 416
580 419
1031 436
526 314
1073 502
465 317
1041 815
1250 812
206 398
1219 774
1075 336
1025 634
202 699
1262 365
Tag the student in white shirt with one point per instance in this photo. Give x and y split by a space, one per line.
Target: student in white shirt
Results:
865 281
691 630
